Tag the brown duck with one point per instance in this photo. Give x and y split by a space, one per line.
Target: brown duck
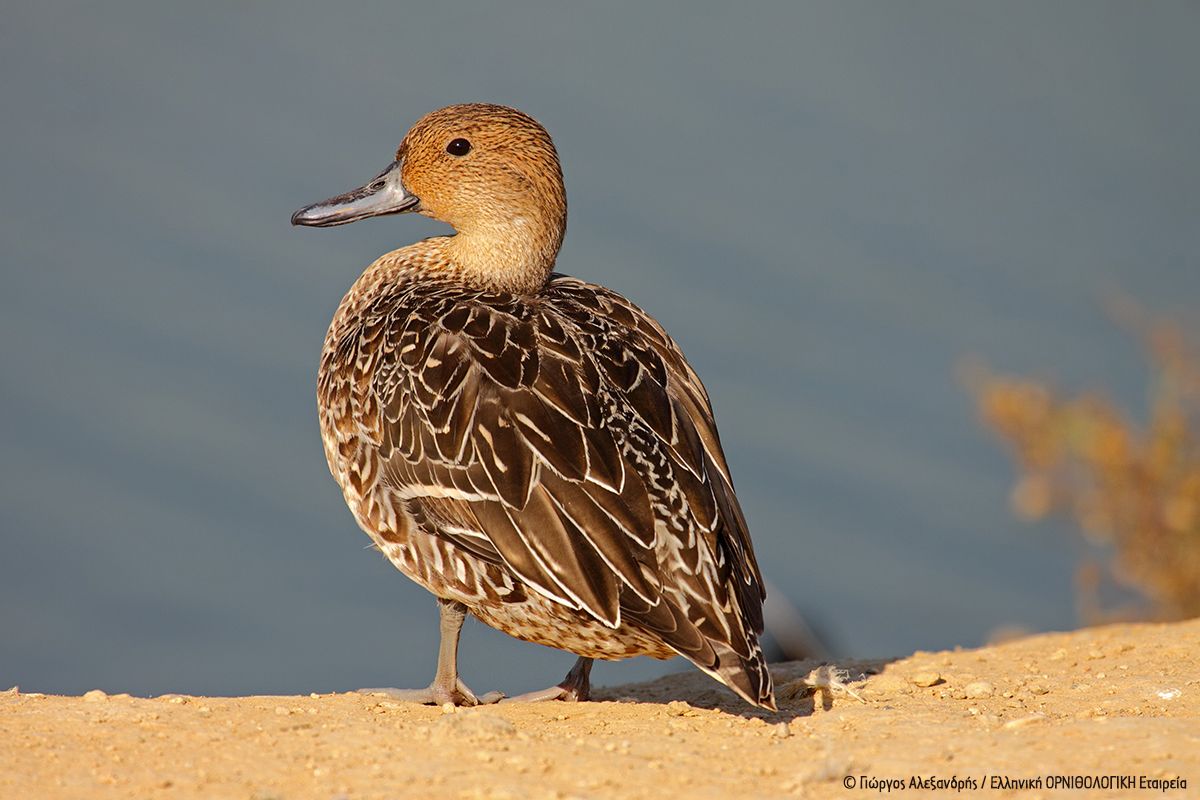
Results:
531 448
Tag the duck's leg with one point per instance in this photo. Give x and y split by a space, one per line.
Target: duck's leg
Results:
446 686
575 687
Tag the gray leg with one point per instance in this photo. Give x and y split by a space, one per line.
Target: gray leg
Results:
575 687
446 686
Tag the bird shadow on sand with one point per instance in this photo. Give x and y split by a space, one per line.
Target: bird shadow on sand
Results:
801 687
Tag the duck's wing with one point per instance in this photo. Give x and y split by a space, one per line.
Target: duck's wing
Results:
712 583
567 438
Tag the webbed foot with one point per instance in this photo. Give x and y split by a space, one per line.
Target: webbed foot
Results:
439 694
576 687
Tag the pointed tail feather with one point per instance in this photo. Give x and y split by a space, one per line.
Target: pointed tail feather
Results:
748 677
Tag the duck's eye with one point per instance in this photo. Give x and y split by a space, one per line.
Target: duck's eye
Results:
458 147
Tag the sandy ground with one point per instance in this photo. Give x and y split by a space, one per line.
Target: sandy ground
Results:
1115 701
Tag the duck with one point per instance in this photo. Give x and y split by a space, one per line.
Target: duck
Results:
531 448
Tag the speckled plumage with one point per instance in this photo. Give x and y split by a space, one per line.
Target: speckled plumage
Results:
538 449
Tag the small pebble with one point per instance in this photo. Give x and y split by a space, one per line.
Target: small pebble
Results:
677 708
448 708
926 679
978 689
1013 724
95 696
1037 688
781 731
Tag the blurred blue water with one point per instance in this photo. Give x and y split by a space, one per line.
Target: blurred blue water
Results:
827 204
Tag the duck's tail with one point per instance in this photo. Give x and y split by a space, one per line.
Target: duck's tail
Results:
749 677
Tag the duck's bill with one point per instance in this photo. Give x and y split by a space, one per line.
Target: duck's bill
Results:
383 195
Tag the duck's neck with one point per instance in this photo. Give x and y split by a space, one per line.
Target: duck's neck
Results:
512 255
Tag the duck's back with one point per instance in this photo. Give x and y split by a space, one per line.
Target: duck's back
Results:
550 460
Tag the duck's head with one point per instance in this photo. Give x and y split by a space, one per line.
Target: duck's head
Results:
489 171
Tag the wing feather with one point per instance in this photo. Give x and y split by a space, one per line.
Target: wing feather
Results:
540 548
566 437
